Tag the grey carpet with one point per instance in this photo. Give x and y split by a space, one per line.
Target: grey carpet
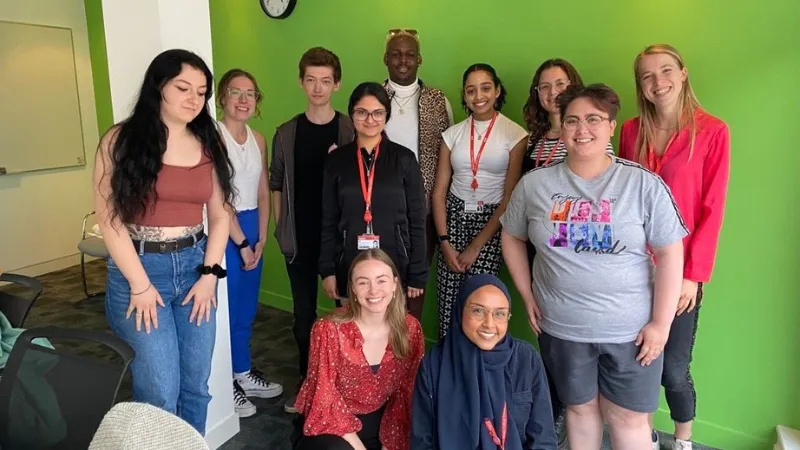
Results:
274 351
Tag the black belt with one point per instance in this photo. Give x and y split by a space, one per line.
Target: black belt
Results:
168 246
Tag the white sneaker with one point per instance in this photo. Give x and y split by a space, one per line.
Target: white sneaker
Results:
680 444
242 406
289 405
255 384
656 442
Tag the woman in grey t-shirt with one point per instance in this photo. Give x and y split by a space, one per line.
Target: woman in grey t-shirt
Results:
601 307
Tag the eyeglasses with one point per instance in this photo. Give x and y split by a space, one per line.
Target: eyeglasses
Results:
250 94
402 31
592 122
480 313
545 88
362 114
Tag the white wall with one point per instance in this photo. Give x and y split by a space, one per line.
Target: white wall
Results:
41 212
160 25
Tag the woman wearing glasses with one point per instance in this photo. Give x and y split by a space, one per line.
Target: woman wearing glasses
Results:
601 309
541 113
480 383
372 197
239 99
478 167
690 150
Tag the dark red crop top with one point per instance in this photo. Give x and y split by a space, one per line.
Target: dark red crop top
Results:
182 193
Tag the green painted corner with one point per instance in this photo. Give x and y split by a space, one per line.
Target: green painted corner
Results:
99 63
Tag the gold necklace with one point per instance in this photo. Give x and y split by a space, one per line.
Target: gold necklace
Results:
406 98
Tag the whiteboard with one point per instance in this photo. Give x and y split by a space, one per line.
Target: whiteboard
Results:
40 116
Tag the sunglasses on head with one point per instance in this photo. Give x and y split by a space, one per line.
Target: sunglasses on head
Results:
402 32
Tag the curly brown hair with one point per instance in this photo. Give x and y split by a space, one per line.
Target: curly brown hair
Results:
536 118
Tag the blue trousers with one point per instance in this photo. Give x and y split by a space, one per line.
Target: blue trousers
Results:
243 288
172 363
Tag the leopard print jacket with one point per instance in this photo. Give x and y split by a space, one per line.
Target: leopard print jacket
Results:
433 121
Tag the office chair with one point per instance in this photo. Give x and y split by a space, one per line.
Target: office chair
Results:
54 399
17 306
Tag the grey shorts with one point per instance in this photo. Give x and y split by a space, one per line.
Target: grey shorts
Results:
579 369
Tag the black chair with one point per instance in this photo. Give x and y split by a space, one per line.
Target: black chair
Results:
55 399
17 306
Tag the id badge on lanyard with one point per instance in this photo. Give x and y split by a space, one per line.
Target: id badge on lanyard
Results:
368 240
474 205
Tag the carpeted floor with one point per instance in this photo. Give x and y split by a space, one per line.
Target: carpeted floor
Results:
274 351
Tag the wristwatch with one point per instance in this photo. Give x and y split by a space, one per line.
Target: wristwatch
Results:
443 238
245 243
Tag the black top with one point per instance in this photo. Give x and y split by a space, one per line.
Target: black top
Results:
398 211
311 145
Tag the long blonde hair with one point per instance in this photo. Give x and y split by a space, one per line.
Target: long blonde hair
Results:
688 105
395 312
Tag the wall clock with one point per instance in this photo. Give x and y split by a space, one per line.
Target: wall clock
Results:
278 9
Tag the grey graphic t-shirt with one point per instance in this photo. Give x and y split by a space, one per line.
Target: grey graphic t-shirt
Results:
593 273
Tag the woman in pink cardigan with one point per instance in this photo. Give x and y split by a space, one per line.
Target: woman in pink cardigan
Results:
690 149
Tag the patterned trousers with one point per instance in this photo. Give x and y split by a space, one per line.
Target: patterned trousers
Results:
463 227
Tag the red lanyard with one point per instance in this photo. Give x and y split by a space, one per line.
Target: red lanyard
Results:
367 180
474 161
655 162
499 442
541 149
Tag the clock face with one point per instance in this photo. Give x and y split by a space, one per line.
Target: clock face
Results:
278 9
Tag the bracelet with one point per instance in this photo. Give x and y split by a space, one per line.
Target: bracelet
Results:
140 293
215 270
245 243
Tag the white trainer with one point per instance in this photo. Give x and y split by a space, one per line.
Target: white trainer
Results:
680 444
256 384
242 406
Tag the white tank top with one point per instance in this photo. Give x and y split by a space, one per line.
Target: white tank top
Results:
247 166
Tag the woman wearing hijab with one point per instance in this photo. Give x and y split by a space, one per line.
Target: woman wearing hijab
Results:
479 382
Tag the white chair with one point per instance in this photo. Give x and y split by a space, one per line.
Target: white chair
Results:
139 426
91 244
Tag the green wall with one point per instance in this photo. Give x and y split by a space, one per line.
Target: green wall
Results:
97 49
744 66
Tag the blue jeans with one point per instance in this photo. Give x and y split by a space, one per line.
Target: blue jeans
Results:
172 363
243 288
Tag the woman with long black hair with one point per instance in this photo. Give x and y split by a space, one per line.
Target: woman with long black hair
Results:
154 173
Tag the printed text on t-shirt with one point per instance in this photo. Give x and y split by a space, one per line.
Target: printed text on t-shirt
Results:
583 225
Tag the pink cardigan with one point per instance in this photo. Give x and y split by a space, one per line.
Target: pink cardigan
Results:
699 185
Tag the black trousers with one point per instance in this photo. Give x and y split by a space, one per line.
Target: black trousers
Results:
369 435
558 407
304 281
677 378
416 304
